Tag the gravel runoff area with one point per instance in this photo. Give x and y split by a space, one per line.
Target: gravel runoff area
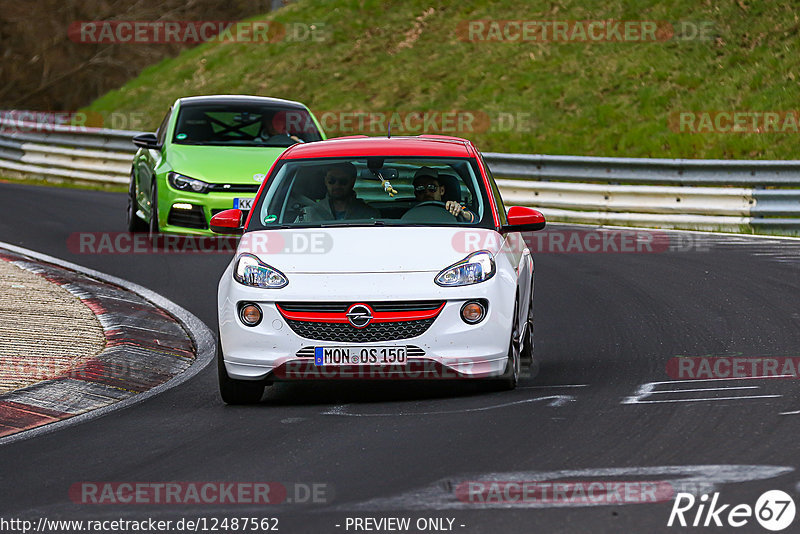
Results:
45 331
73 344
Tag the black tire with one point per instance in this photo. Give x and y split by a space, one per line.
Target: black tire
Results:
236 391
509 379
153 224
527 336
135 224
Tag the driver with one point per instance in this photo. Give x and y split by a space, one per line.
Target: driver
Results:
427 188
273 131
340 202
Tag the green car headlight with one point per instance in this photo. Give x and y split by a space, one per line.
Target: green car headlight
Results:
184 183
250 271
475 268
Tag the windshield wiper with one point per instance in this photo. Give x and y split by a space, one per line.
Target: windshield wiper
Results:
341 224
279 227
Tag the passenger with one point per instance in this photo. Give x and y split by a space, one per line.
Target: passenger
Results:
427 188
340 202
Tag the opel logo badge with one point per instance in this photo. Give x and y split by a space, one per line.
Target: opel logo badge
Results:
359 315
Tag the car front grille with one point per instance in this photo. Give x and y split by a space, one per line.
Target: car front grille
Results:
193 218
341 307
343 332
327 321
233 188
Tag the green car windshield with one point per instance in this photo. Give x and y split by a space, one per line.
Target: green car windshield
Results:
374 191
244 124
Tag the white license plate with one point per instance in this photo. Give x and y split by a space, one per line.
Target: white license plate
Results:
243 203
359 355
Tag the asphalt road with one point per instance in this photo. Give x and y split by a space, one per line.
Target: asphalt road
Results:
607 324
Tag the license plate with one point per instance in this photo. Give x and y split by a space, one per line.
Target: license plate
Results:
359 355
243 203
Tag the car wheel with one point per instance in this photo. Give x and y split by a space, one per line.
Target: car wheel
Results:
508 380
236 391
527 341
135 224
153 226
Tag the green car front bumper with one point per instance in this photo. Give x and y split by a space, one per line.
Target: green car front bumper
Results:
189 213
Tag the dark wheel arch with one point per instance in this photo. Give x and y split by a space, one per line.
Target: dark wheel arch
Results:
135 223
235 391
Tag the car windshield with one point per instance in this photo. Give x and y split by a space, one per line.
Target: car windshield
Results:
373 191
244 124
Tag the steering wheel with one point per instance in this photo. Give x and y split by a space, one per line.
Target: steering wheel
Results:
418 213
437 203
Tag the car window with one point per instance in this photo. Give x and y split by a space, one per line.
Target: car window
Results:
373 191
244 124
161 133
501 210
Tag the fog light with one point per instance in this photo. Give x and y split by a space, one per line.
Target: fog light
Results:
473 312
250 314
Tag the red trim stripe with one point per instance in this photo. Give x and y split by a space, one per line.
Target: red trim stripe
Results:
341 317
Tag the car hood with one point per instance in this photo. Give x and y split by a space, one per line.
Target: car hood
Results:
222 164
367 249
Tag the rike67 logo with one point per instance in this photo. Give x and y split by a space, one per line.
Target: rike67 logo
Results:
774 510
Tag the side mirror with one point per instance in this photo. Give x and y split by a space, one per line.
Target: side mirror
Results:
522 219
147 140
228 222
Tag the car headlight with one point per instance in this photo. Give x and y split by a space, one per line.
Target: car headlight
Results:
250 271
184 183
477 267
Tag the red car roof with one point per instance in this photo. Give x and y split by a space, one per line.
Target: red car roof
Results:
431 145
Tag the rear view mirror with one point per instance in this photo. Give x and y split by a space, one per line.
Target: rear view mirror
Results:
147 140
228 222
522 219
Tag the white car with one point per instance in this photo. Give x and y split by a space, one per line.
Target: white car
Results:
376 258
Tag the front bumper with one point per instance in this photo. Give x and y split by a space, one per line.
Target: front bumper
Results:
448 348
205 206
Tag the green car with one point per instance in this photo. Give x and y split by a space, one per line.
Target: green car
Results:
210 154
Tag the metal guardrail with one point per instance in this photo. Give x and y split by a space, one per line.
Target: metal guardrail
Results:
717 195
60 152
750 196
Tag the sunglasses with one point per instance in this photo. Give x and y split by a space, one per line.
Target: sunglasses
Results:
429 187
340 181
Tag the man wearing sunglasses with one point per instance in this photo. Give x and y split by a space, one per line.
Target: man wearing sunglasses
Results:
427 188
340 202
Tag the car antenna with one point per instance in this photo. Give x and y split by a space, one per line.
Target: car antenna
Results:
389 135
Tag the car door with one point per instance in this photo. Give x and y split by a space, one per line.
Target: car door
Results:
515 249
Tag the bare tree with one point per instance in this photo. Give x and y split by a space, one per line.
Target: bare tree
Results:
42 68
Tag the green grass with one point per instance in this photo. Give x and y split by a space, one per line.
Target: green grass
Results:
603 99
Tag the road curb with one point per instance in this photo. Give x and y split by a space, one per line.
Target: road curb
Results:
152 344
